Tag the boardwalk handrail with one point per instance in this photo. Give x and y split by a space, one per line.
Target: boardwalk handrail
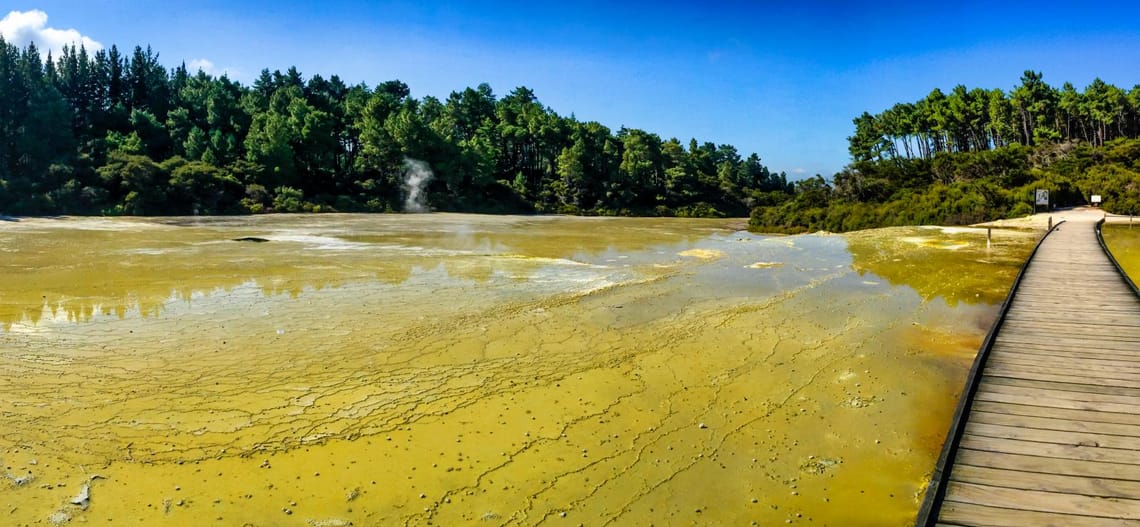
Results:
1111 258
932 501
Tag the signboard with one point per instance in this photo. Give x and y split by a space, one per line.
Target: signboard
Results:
1042 197
1095 199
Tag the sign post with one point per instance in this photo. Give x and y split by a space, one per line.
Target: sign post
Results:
1041 198
1095 199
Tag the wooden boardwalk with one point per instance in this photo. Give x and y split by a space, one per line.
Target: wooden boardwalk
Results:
1048 432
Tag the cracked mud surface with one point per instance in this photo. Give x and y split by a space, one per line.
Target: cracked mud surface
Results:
450 369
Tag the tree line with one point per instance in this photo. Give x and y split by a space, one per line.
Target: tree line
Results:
976 155
114 133
977 119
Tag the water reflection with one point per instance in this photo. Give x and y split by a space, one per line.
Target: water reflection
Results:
920 258
379 370
73 270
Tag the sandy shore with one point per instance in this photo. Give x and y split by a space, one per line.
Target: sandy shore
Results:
1041 220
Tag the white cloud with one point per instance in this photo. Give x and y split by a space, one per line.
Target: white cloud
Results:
209 67
201 64
22 27
799 171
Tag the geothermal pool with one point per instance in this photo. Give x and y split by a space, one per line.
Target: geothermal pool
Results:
454 369
1123 239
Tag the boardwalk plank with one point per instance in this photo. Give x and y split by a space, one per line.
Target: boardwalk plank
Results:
1032 500
1014 389
1074 351
954 513
1052 436
1093 332
1028 338
1053 423
1064 386
1062 365
1072 452
1020 374
1057 413
1003 365
1068 356
1045 465
1016 479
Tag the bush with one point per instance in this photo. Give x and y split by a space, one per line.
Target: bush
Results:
1020 209
288 199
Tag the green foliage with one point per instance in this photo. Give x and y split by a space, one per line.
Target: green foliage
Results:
960 188
974 155
287 199
136 180
201 188
976 120
256 199
121 134
118 133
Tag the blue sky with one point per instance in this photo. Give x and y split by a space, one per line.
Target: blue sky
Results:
780 79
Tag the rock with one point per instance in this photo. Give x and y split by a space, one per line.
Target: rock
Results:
59 518
253 239
820 465
83 499
332 522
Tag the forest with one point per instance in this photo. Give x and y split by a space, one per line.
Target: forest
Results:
120 134
107 133
975 155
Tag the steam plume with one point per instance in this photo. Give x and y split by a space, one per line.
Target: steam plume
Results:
417 175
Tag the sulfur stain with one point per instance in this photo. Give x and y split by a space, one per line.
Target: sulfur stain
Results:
449 369
703 254
1124 242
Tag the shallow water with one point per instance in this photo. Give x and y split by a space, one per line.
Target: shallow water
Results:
453 369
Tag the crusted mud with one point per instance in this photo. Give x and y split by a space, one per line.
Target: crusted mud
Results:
449 369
